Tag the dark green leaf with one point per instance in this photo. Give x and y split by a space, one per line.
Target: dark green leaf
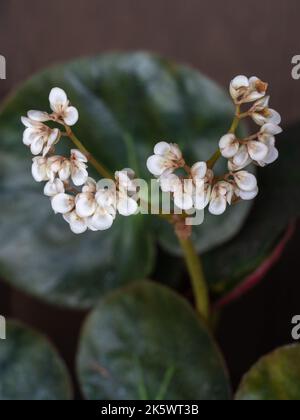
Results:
275 377
146 342
30 368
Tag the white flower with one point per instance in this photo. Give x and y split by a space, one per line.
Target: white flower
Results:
78 167
267 137
39 137
221 195
77 224
246 185
85 204
125 180
60 105
167 157
261 151
52 188
202 179
62 111
63 203
105 213
244 90
262 114
126 204
39 169
229 146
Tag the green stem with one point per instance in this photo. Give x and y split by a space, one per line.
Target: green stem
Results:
235 123
199 285
97 165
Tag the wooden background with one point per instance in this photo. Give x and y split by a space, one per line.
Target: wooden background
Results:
220 38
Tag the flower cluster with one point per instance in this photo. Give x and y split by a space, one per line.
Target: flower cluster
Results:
259 148
199 187
95 205
89 205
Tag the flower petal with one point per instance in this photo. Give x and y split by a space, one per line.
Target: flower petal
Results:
28 136
162 148
85 205
245 180
53 188
39 116
242 157
248 195
37 145
78 225
199 170
71 116
63 203
79 176
58 99
183 201
257 150
39 170
271 129
156 165
272 155
64 172
102 221
218 205
229 146
127 206
78 155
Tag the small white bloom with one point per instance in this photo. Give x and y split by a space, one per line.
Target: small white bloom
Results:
246 185
229 146
126 206
62 111
126 181
63 203
90 186
78 168
244 90
167 157
262 114
267 137
61 108
39 137
53 188
202 179
39 169
245 181
221 195
85 204
77 224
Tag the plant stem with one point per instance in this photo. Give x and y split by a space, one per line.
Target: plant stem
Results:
213 160
216 156
97 165
199 285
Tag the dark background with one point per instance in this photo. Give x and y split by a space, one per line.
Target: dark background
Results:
220 38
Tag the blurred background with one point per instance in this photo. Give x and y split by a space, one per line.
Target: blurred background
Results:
221 39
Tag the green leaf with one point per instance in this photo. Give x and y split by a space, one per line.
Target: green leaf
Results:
127 102
275 377
145 342
30 367
278 204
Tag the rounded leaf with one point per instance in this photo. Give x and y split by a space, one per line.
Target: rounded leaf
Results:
275 377
31 369
146 342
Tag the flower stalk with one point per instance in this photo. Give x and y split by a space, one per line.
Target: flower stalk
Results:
196 273
94 162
